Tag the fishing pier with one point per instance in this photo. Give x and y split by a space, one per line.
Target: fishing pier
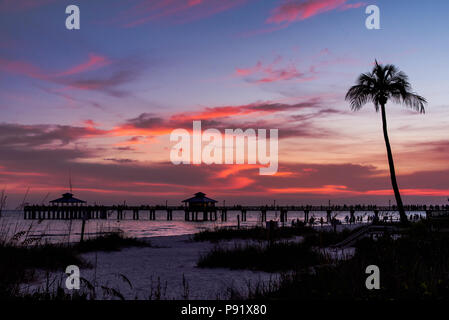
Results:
197 208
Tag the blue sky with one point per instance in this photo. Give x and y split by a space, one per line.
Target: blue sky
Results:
155 61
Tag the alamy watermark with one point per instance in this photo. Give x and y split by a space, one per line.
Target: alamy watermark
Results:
73 280
373 280
227 148
373 20
72 22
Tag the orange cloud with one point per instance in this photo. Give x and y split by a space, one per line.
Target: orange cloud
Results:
331 189
128 130
235 169
154 125
15 173
337 190
213 113
411 192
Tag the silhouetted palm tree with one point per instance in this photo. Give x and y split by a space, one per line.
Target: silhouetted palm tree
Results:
382 84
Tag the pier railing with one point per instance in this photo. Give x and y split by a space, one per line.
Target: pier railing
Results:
148 212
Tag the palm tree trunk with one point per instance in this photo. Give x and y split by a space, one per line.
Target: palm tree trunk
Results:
394 182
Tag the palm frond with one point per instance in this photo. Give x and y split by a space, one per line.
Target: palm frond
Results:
415 102
358 96
384 83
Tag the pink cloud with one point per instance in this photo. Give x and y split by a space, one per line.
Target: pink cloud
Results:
21 68
296 10
78 76
192 3
255 115
25 68
178 11
249 71
32 151
94 62
256 32
90 123
274 72
21 5
152 182
352 5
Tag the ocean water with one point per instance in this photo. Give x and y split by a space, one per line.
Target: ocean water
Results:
12 224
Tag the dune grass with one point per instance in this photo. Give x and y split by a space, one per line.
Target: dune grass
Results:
19 262
110 242
274 257
413 266
325 238
271 256
253 233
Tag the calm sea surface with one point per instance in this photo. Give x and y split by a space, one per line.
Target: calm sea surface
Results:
12 223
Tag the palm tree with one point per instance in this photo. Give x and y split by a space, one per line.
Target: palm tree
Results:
3 198
382 84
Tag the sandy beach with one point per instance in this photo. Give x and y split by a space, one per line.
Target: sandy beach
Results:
164 264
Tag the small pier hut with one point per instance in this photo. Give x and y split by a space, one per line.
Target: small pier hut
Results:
66 207
200 201
67 199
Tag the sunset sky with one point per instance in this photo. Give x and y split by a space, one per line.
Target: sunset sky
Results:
99 103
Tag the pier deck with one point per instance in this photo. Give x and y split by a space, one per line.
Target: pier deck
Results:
147 212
